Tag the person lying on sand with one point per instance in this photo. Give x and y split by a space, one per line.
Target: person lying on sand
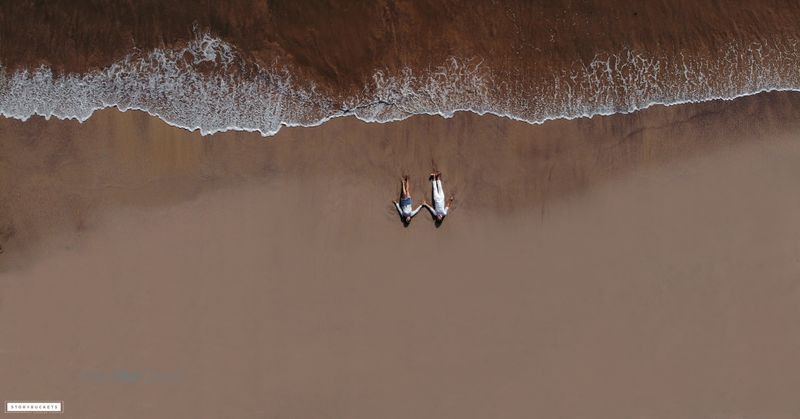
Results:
405 204
439 209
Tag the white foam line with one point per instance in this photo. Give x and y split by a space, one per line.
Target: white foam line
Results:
167 84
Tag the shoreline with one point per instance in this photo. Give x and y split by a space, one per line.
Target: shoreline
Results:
275 100
446 115
214 69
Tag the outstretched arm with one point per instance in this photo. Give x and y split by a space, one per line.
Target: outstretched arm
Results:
414 212
397 206
427 207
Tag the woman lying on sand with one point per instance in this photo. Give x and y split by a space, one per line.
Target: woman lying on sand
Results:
404 207
439 210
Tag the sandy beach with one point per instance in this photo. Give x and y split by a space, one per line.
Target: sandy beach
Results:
196 215
637 265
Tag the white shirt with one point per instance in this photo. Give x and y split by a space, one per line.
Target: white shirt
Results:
406 211
439 208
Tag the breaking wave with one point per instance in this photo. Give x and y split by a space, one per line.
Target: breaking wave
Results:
208 86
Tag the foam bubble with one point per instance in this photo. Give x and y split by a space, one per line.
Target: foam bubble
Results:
207 86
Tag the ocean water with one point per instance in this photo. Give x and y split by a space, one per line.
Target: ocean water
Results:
207 85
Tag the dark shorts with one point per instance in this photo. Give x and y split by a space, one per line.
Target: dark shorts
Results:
405 201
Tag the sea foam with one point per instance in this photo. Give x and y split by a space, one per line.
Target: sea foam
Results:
208 86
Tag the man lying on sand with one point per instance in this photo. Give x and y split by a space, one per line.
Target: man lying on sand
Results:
404 207
439 210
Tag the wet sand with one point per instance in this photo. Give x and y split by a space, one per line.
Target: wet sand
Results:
637 265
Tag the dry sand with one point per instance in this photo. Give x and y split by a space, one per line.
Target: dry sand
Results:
638 265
